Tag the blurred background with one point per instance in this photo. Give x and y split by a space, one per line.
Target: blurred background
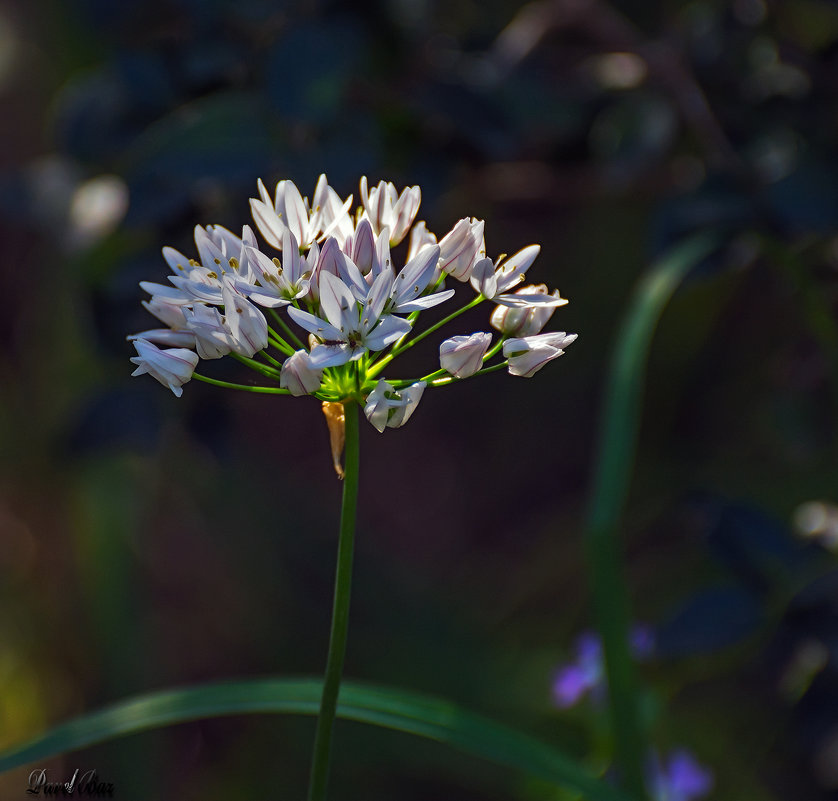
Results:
147 541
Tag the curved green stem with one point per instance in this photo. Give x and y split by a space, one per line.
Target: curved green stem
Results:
613 468
243 387
288 330
270 372
401 348
340 611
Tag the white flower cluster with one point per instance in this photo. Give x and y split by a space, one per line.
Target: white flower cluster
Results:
338 311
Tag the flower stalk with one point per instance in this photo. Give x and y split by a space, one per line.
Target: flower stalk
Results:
340 609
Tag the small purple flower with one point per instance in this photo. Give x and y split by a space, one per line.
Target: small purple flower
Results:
679 778
586 674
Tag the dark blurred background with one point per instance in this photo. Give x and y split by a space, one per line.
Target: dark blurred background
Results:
147 541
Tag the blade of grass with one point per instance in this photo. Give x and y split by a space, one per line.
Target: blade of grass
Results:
412 713
612 475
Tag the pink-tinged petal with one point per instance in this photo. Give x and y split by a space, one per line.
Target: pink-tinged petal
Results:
483 278
339 221
264 194
426 302
513 269
265 269
166 293
462 356
169 313
246 323
210 254
378 295
363 247
268 223
382 261
315 325
330 355
520 301
337 303
291 261
166 336
197 290
404 212
378 405
172 367
416 275
296 216
178 263
212 337
330 258
410 397
527 364
386 332
298 375
420 236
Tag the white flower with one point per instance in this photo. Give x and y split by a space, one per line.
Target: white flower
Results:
246 324
527 355
461 248
172 367
176 335
289 212
280 283
524 321
298 375
221 253
386 408
462 356
412 281
420 236
212 337
385 208
495 281
351 328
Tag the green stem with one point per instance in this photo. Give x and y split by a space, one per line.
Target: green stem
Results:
450 379
340 611
612 474
278 342
270 372
401 348
287 328
244 387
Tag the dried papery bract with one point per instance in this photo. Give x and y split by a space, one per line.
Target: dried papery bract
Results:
336 421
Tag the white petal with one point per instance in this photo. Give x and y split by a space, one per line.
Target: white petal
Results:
518 300
426 302
315 325
386 332
330 355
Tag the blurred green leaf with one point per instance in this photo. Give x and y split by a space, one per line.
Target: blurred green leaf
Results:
412 713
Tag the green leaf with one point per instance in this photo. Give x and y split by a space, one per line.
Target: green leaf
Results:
412 713
612 475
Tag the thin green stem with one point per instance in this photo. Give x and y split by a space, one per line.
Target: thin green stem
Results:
266 355
612 474
450 379
402 346
270 372
287 328
340 610
243 387
278 342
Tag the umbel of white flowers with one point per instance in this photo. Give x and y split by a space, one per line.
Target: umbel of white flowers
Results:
338 310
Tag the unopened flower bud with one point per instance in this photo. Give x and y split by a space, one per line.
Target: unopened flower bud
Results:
462 356
298 376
